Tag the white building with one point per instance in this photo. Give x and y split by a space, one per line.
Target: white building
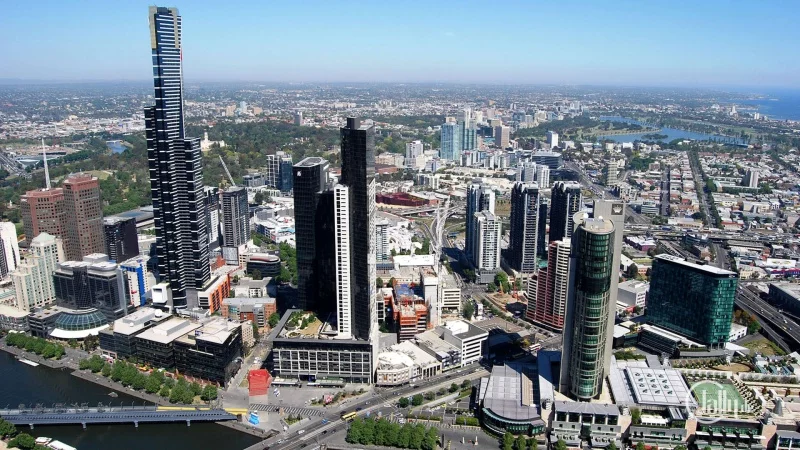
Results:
543 176
552 139
465 338
486 244
502 135
341 212
413 151
33 279
737 332
9 249
633 293
405 362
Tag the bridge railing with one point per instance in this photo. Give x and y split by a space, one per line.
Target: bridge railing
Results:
74 409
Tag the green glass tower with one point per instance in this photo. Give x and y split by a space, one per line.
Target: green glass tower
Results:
692 300
588 326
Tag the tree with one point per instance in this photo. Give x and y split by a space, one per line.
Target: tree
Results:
632 271
491 287
209 393
259 198
466 384
164 392
196 388
152 385
256 274
612 446
416 400
508 441
521 443
273 320
636 416
561 445
468 310
7 429
392 281
379 282
640 446
403 402
139 381
453 388
680 447
23 440
430 440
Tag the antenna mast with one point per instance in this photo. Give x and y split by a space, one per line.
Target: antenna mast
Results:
233 183
46 171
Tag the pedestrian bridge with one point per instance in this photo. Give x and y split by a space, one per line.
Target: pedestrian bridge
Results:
111 415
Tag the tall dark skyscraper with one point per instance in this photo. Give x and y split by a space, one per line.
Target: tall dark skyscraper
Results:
566 200
523 233
122 243
358 174
312 209
176 176
235 217
480 197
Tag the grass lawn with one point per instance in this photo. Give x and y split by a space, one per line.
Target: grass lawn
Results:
764 346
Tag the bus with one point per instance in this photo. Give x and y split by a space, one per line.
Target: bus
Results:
347 417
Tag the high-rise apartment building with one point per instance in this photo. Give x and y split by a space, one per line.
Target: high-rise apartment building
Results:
692 300
358 174
751 178
42 212
543 176
565 201
502 136
587 340
552 139
613 210
285 181
343 248
83 210
524 227
486 241
526 171
469 135
311 182
235 217
413 151
541 235
9 249
211 203
275 171
451 142
122 242
33 280
176 172
480 197
548 291
382 251
610 173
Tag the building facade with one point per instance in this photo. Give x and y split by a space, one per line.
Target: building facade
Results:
43 212
235 217
175 164
480 197
702 309
566 200
122 242
450 142
33 280
83 211
549 290
486 241
9 249
524 227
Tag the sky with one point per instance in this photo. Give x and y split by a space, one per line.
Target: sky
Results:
708 43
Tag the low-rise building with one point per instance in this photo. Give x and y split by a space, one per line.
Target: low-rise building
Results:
13 319
455 344
507 400
256 310
597 423
210 352
118 340
403 363
633 293
217 290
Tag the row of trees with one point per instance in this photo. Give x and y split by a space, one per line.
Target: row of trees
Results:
21 440
288 257
35 345
177 391
382 432
417 399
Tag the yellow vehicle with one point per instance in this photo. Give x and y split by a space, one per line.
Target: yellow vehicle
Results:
347 417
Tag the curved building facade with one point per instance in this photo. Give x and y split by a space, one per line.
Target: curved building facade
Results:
589 310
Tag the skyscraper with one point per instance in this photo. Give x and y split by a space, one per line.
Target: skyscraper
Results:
543 176
541 235
211 203
358 174
33 280
310 184
83 211
42 212
382 252
693 300
344 260
526 171
548 291
413 151
502 135
9 249
613 210
552 139
524 227
285 182
122 242
566 200
480 197
451 142
587 341
235 217
176 175
486 244
469 135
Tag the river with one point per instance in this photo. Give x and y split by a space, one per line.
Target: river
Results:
23 384
671 133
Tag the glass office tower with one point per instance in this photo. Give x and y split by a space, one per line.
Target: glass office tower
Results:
693 300
175 163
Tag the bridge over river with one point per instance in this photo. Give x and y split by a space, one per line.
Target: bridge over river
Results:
112 415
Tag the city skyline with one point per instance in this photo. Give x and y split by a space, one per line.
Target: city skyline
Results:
699 45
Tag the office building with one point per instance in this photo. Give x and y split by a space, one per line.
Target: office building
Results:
586 353
633 293
311 235
524 227
553 160
543 176
343 246
9 249
215 292
610 173
154 346
118 340
502 136
751 178
541 235
285 172
451 142
256 310
272 170
469 135
549 290
176 172
298 118
358 174
507 400
382 251
403 363
33 280
480 197
566 200
414 150
552 139
43 212
486 241
253 180
137 283
701 308
122 242
526 171
613 210
459 337
83 211
211 203
235 217
91 284
210 352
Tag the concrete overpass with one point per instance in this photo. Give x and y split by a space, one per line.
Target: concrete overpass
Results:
111 415
780 328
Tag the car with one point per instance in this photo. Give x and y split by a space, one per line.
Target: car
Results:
301 431
359 409
324 421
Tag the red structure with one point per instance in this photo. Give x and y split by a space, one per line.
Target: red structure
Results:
43 212
259 381
400 199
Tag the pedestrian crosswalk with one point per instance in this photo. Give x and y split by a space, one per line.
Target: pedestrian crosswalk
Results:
303 412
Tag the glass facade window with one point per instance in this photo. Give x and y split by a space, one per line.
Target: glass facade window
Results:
80 321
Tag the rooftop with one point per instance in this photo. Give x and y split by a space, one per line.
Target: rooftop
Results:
587 408
216 330
509 392
710 269
137 321
169 330
311 161
10 311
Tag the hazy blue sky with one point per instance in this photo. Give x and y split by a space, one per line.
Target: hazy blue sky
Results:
644 42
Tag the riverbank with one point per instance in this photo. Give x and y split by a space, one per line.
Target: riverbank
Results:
69 364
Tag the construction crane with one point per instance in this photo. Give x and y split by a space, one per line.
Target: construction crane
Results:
233 183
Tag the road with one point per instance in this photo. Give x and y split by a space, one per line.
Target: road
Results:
774 322
372 404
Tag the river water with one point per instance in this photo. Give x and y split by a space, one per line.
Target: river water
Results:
23 384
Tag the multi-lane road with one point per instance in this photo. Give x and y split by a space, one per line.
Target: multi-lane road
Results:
782 329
